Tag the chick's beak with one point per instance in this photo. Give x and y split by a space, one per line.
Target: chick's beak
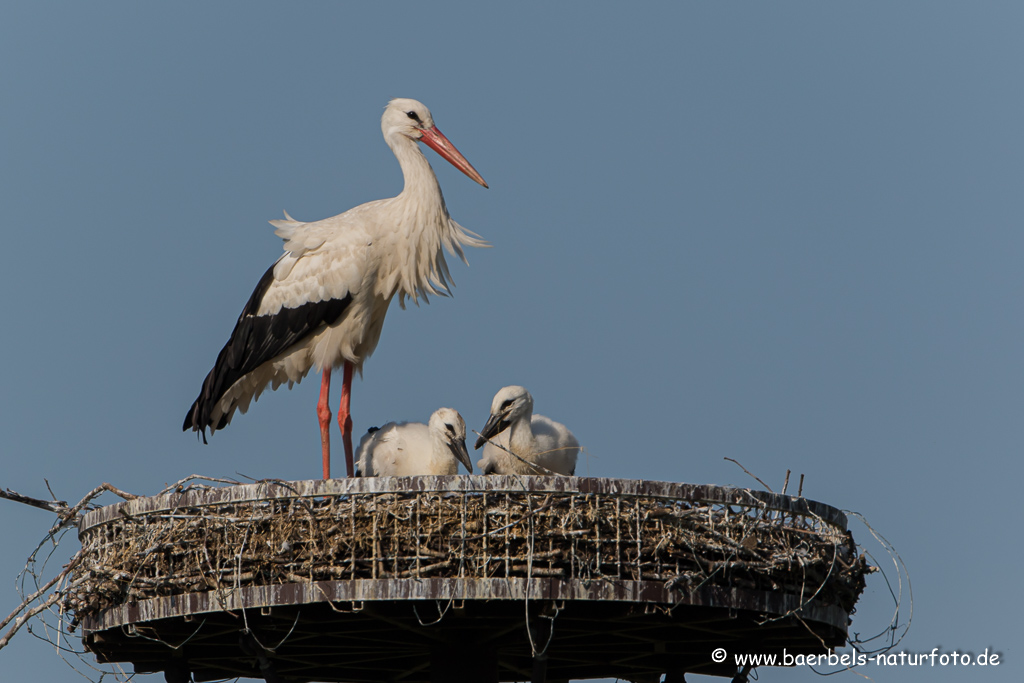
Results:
496 424
458 449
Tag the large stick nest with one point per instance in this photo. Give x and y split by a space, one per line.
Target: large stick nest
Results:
286 536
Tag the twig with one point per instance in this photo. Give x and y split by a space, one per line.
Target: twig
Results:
748 472
35 596
539 468
68 515
901 571
49 505
177 486
28 614
545 504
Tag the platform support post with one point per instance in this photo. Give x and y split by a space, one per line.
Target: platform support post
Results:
540 669
466 662
177 671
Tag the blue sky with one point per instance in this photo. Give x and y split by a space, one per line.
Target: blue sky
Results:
784 233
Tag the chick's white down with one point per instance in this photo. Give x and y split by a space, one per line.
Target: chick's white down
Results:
546 446
409 449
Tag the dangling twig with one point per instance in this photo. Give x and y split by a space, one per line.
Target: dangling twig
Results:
539 468
748 472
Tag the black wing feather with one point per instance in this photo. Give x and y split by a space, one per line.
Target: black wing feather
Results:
255 340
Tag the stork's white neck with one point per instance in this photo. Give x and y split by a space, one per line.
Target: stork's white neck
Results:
440 455
412 255
421 187
520 435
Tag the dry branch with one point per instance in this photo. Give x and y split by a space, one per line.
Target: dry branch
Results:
30 605
49 505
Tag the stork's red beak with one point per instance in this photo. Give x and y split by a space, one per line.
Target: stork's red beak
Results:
436 140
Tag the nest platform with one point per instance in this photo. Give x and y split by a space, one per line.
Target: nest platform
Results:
460 578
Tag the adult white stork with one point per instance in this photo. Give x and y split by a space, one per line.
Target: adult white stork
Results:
542 445
410 449
322 304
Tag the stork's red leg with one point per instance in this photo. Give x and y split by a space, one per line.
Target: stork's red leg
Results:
323 412
345 417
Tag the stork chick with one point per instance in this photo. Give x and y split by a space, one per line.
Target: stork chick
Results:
546 446
410 449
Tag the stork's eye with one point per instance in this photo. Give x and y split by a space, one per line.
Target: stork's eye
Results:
450 429
413 115
506 404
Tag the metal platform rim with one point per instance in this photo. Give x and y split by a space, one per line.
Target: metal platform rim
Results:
320 488
351 594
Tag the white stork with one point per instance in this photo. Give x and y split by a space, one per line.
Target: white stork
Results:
322 304
410 449
536 439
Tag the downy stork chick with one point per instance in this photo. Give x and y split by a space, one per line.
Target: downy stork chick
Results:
536 439
410 449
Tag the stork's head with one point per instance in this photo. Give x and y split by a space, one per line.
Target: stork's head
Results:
412 119
510 404
451 428
406 117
